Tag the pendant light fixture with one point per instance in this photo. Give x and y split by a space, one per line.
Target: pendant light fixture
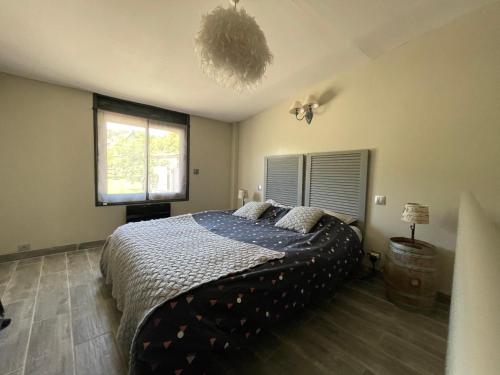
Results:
232 48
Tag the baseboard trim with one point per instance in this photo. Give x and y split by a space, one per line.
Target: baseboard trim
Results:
90 244
50 251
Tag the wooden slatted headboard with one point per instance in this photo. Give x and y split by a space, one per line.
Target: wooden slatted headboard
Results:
337 181
284 179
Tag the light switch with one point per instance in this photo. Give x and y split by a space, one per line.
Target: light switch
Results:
259 187
196 171
380 200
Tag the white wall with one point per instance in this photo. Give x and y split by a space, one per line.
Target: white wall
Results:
47 167
474 340
429 112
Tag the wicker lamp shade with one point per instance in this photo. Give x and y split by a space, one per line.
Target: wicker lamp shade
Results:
416 213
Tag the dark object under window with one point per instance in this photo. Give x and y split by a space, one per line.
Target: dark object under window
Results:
141 153
143 212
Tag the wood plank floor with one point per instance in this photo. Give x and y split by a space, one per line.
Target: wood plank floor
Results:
65 320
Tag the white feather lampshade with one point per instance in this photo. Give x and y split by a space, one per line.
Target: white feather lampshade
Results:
232 48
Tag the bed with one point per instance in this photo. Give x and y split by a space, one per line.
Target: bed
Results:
192 285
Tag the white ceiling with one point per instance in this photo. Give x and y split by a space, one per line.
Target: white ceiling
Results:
142 50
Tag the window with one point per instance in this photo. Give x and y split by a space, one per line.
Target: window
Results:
141 153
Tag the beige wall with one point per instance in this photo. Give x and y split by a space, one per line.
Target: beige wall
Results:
474 320
47 167
429 112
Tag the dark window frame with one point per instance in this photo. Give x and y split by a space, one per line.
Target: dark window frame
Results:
125 107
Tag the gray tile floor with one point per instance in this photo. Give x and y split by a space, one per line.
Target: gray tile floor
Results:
65 322
64 318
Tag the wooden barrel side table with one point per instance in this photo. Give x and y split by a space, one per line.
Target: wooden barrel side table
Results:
410 273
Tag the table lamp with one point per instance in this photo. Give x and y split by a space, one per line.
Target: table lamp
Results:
415 213
242 194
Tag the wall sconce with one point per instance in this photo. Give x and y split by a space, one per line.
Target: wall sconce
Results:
305 110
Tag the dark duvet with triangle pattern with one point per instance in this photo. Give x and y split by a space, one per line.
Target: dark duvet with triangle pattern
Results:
228 314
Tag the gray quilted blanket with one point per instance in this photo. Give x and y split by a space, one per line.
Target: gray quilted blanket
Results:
150 262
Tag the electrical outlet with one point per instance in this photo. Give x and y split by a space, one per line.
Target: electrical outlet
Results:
380 200
24 247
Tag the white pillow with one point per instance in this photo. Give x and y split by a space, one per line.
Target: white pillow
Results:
252 210
344 217
300 219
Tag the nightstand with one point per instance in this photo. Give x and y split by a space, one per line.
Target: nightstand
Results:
410 273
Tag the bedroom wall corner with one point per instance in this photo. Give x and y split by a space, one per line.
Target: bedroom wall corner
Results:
211 153
233 200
